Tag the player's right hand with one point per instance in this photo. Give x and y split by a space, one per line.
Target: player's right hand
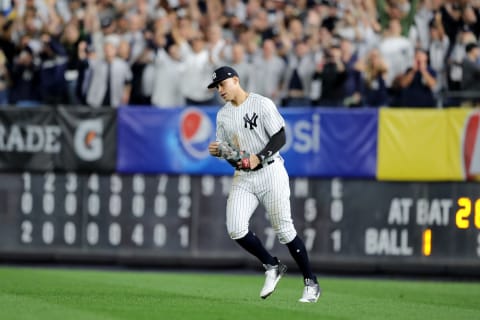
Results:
213 148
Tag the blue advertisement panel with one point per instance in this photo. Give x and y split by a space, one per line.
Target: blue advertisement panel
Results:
320 142
167 141
348 144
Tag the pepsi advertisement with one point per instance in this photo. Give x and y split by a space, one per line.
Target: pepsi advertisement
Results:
320 142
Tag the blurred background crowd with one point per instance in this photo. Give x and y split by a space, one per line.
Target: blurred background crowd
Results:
162 53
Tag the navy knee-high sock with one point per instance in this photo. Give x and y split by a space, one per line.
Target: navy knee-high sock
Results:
300 254
252 244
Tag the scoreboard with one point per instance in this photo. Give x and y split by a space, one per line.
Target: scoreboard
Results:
166 220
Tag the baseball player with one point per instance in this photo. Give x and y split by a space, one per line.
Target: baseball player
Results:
250 132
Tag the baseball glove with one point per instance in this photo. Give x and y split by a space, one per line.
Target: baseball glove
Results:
233 155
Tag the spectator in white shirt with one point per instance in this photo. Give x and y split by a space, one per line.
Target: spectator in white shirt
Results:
110 80
397 51
167 85
268 72
197 73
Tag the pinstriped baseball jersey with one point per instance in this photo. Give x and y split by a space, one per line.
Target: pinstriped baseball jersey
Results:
249 126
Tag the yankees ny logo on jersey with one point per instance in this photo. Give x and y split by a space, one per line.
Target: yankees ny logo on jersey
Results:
252 121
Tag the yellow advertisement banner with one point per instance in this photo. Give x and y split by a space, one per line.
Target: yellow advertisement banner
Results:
421 144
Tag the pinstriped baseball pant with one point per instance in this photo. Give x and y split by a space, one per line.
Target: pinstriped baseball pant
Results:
268 186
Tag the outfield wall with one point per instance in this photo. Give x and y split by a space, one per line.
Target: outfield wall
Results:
135 186
165 220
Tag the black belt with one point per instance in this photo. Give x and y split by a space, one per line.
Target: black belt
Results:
260 166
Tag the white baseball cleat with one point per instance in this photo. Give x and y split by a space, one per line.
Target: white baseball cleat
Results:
273 274
311 292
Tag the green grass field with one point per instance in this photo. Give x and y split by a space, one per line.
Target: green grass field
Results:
70 294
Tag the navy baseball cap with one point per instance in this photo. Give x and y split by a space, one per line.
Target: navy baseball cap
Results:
470 46
221 74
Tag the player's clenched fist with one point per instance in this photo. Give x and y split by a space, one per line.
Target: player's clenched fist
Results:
213 148
239 159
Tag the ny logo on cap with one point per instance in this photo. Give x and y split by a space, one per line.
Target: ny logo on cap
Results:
214 76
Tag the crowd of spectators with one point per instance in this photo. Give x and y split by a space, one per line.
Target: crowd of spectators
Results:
321 53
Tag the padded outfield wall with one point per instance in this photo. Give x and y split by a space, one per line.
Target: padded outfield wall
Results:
388 189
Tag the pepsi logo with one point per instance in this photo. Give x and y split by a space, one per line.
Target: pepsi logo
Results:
471 147
196 130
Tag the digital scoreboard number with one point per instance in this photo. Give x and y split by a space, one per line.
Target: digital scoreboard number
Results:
160 218
105 212
412 223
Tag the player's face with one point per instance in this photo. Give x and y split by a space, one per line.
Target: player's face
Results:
227 89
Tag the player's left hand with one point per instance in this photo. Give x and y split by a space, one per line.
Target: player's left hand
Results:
254 161
247 161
